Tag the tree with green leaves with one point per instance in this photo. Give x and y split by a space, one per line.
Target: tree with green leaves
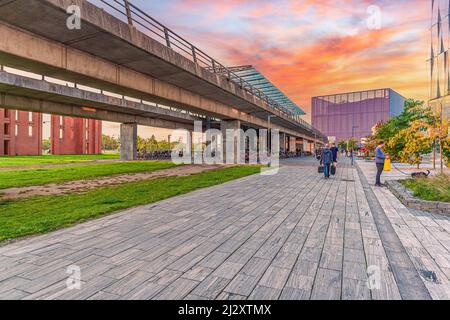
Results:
342 144
414 110
46 145
411 134
352 145
416 143
445 140
151 144
110 143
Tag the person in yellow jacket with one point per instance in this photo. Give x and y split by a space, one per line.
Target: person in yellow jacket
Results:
380 158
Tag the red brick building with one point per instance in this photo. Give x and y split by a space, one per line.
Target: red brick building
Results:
21 134
75 135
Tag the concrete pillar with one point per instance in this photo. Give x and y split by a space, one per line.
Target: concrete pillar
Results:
282 142
230 140
128 141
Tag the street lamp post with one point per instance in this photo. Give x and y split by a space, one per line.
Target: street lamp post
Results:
353 137
315 143
441 127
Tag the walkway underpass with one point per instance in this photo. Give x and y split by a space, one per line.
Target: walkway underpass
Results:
120 54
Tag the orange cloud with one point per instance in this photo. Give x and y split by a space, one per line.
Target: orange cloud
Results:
313 47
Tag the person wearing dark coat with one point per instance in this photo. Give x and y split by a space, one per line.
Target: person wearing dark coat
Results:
335 152
327 160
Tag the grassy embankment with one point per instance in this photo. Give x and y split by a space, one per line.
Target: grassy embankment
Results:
23 161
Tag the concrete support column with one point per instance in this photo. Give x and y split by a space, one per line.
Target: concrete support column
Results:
282 142
128 141
230 140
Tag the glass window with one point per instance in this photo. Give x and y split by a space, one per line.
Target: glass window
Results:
364 95
444 7
435 10
351 97
434 79
16 130
61 133
337 99
445 34
441 74
434 40
30 131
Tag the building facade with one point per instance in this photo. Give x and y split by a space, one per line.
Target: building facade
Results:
439 56
75 136
21 134
353 115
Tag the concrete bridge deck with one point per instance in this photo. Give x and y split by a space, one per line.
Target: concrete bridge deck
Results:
109 54
25 93
261 237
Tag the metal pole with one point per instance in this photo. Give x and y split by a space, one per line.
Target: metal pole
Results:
353 138
315 144
269 147
269 133
440 139
128 12
434 153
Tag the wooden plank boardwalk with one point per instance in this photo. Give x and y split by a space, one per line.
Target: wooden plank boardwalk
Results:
289 236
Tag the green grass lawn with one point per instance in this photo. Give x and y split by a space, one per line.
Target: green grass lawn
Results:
38 177
46 213
431 189
22 161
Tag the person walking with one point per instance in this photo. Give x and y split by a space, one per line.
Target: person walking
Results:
380 158
327 160
335 151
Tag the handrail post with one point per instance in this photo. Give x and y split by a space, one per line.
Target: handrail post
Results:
166 35
194 54
128 12
213 65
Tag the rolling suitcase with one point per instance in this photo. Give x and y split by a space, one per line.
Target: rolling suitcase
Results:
333 170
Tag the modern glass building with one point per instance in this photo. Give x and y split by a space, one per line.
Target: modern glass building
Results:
354 114
439 56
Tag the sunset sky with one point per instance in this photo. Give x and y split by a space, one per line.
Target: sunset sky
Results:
310 47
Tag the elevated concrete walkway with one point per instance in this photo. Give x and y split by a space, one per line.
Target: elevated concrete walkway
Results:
110 54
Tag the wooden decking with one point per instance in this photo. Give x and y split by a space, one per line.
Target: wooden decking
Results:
292 235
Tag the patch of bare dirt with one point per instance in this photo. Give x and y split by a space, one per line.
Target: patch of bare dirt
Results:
83 185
